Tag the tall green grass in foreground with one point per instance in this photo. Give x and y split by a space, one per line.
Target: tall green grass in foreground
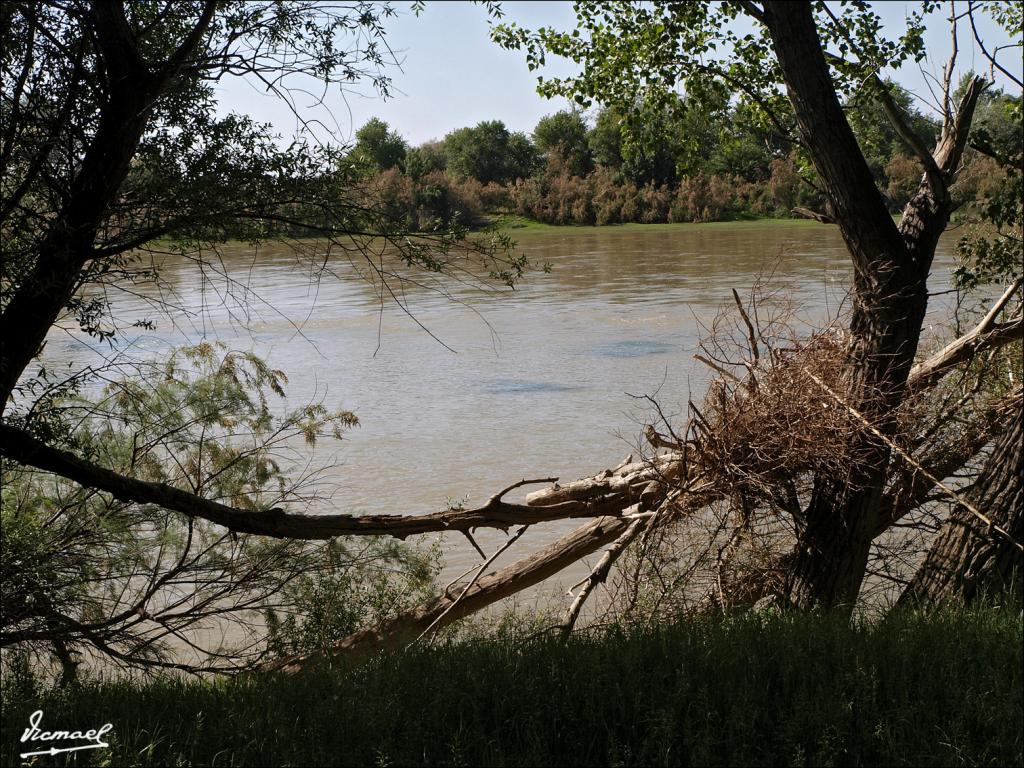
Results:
789 690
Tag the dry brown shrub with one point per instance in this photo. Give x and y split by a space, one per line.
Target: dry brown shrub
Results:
775 416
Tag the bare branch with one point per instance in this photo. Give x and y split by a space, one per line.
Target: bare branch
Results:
488 590
807 213
600 572
191 43
20 446
476 577
984 51
986 335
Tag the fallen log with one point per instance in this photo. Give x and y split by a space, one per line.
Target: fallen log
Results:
22 447
442 610
629 479
482 592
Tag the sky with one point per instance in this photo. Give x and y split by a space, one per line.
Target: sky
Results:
451 75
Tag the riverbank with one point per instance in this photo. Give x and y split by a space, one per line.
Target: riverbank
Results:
794 690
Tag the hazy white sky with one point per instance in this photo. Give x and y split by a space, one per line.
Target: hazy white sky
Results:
452 75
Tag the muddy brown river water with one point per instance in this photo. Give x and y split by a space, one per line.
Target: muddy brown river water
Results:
540 380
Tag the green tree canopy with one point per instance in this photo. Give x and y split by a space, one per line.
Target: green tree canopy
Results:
378 147
642 150
565 134
428 157
489 152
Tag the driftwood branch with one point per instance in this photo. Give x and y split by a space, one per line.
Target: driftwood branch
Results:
624 485
751 336
716 367
489 589
472 582
987 334
807 213
600 572
20 446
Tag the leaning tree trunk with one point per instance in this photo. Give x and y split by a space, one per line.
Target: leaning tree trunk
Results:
129 90
891 265
968 559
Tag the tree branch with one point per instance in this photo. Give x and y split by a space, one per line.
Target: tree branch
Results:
984 51
857 204
807 213
895 115
407 626
986 335
912 487
600 572
20 446
910 138
188 46
751 9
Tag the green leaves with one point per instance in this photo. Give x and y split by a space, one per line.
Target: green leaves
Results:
489 152
89 569
639 58
360 583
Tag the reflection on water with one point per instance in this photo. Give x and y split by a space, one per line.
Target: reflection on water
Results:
541 378
631 348
516 387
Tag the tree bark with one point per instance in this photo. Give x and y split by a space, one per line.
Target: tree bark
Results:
890 298
966 561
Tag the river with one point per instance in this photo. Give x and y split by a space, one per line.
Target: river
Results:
540 381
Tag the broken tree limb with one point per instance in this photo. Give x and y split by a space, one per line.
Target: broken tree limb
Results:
600 572
486 590
489 589
512 540
20 446
987 334
629 479
807 213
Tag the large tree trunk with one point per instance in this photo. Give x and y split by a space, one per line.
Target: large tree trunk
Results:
128 88
968 560
890 298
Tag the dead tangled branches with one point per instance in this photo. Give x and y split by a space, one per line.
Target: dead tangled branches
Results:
775 417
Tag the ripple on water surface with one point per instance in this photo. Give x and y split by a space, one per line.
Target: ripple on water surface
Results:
521 386
631 348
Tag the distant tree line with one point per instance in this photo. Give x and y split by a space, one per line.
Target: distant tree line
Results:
689 165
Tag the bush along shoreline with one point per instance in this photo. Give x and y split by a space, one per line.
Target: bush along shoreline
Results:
674 166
